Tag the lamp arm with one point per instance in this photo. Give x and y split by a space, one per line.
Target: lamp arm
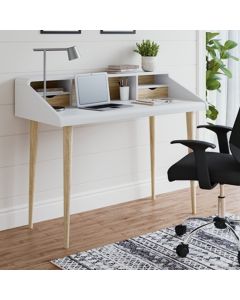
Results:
50 49
44 75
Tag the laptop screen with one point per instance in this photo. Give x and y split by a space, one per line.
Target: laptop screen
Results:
92 89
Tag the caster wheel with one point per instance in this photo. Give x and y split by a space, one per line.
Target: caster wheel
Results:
239 257
182 250
180 229
220 223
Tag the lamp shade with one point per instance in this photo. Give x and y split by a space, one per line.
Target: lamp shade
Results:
72 53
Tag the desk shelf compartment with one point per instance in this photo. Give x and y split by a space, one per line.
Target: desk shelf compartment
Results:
57 99
114 87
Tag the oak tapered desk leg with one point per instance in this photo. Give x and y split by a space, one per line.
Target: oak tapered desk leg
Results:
191 136
152 153
32 168
67 166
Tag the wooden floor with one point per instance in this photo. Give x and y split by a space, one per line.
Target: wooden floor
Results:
22 248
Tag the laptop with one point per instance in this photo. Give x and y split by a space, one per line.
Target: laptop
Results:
92 92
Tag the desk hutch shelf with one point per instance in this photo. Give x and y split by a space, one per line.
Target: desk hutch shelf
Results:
29 104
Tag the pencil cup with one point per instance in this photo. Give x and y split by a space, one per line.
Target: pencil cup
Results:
124 93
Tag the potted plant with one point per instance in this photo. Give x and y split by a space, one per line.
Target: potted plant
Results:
148 50
216 66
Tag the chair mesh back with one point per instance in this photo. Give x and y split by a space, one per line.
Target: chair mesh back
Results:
235 139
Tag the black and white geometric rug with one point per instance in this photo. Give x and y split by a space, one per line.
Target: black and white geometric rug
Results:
209 249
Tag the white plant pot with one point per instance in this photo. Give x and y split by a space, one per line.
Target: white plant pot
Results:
149 63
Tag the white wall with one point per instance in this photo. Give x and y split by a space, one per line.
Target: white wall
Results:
110 162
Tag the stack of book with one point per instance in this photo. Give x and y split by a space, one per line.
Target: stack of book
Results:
123 68
52 92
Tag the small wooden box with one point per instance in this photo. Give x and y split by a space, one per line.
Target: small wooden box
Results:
154 93
59 100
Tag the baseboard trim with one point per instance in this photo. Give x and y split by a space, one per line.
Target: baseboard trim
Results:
53 208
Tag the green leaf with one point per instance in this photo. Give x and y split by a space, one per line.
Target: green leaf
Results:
230 45
214 76
213 66
210 35
217 44
226 71
212 52
224 55
211 112
213 84
208 74
218 61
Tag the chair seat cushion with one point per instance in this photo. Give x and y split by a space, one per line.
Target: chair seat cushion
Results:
223 169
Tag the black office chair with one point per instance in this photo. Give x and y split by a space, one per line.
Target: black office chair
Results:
210 169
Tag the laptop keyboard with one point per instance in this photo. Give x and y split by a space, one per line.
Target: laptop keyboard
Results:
106 107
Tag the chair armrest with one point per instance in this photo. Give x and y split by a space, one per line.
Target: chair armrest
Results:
200 157
221 132
216 128
195 144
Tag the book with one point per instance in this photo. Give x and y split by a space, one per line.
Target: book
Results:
122 68
143 102
153 101
124 71
56 89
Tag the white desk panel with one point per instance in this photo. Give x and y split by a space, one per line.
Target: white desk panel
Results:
75 116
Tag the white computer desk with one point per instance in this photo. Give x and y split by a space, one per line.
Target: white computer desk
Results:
30 105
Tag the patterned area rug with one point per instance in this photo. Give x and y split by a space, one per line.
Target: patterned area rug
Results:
209 249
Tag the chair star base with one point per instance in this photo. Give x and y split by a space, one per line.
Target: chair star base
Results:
220 223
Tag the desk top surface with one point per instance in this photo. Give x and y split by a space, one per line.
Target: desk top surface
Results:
75 116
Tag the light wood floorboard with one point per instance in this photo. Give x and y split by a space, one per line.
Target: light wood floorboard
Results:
22 248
